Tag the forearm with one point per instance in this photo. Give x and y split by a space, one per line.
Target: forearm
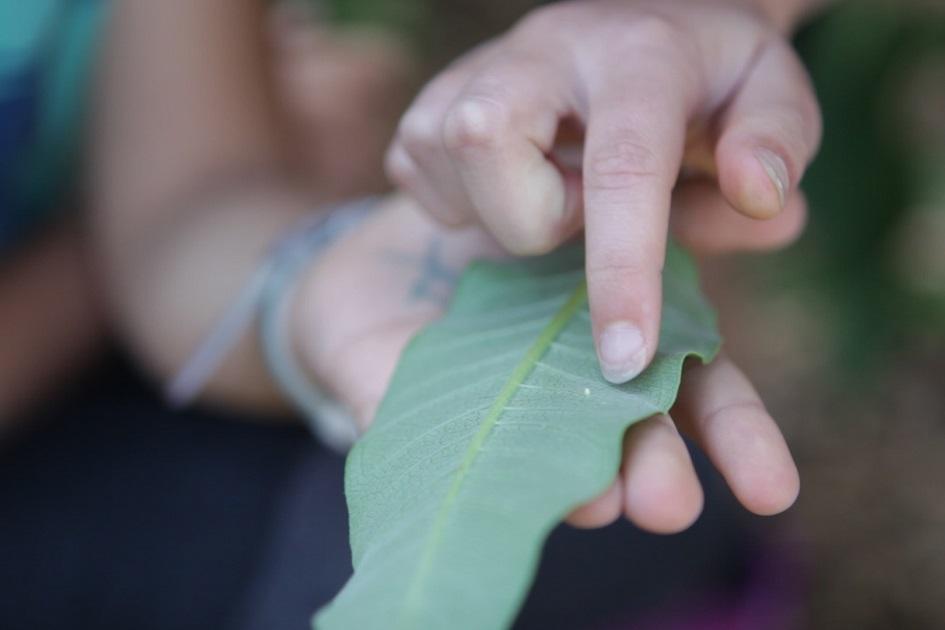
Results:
176 288
189 184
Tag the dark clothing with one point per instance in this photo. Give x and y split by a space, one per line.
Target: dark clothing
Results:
118 513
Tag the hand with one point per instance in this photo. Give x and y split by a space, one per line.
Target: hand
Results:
376 287
647 87
369 293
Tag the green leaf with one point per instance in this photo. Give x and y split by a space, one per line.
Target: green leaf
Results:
496 425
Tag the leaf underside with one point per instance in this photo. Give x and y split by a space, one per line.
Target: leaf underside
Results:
496 425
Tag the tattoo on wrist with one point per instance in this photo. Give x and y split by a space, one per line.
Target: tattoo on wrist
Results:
435 278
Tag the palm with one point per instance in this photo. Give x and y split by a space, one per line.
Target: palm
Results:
376 288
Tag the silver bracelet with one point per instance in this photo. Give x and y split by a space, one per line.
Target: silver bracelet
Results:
266 297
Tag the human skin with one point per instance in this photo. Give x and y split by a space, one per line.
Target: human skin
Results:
695 106
197 165
191 182
649 87
375 288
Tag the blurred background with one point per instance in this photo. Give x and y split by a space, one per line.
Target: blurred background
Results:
844 332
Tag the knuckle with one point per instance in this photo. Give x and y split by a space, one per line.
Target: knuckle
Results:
620 265
399 168
622 161
418 130
664 44
547 19
728 410
806 107
520 238
654 28
475 122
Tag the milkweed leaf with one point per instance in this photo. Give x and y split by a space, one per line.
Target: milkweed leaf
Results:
497 424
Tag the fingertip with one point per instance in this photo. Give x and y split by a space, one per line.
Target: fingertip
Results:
664 506
721 411
600 511
758 465
662 493
476 123
775 168
531 209
521 241
755 180
404 173
768 132
625 304
771 495
399 167
622 352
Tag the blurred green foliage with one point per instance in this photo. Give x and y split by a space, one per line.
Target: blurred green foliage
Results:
409 17
438 30
877 166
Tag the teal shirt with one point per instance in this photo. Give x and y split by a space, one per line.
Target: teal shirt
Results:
46 53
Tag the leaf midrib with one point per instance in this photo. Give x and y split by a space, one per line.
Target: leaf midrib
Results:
522 370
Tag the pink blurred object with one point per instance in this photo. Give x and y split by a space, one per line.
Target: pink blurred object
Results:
770 599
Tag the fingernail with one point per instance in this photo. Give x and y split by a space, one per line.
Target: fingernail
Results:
622 352
777 172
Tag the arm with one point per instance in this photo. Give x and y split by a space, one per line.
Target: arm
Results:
188 196
189 183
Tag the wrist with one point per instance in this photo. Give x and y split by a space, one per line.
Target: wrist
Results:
268 297
311 320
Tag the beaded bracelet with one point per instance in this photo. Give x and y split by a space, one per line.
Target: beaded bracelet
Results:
266 298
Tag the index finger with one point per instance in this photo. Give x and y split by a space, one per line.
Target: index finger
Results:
635 139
